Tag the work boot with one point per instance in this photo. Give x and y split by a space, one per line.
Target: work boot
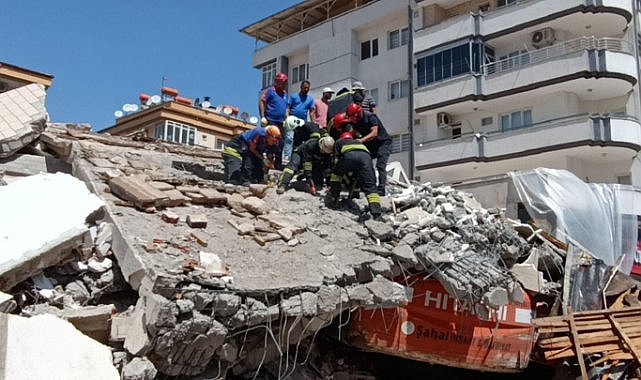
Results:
281 189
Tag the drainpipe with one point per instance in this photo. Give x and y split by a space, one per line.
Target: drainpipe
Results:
410 74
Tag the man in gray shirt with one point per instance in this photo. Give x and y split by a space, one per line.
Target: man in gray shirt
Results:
364 100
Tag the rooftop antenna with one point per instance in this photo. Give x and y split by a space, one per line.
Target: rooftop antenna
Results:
162 81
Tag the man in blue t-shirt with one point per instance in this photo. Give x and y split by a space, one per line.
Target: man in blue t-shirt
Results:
299 105
273 109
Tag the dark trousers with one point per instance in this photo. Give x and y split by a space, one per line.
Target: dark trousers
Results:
245 170
381 152
360 164
278 155
315 173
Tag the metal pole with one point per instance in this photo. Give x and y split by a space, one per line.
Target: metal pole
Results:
410 101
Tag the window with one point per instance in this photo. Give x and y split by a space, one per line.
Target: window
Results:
369 49
269 74
504 3
176 132
449 63
516 119
373 92
399 89
300 73
487 121
396 38
401 143
220 144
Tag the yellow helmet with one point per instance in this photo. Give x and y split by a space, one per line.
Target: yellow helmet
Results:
326 144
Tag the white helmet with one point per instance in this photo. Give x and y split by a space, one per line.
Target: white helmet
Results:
292 122
326 144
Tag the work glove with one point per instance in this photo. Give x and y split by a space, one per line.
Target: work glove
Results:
263 122
268 164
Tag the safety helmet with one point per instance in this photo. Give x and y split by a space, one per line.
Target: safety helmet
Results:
326 144
292 122
281 77
339 119
354 112
346 135
273 131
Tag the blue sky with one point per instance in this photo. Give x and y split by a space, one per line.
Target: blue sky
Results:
104 53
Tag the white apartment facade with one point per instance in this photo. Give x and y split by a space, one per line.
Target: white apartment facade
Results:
494 85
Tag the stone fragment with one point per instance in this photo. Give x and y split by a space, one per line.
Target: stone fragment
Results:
213 196
139 369
411 239
327 250
197 220
293 242
162 186
137 341
379 230
235 202
387 293
255 205
495 297
170 217
184 306
174 199
359 295
132 188
119 327
201 237
516 293
212 264
528 276
331 298
226 304
7 303
303 304
159 312
405 254
285 233
227 352
258 190
99 266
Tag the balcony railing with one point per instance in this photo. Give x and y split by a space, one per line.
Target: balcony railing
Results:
558 50
556 122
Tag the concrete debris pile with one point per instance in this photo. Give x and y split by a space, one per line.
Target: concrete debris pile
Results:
184 275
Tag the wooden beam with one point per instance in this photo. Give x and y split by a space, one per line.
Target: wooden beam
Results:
626 339
577 344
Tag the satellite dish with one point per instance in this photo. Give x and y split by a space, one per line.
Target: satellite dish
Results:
244 116
133 107
155 99
125 107
205 104
227 110
253 120
148 102
118 114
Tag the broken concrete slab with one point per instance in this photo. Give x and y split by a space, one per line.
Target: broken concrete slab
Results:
22 165
7 303
38 338
139 369
22 117
255 205
141 193
197 220
38 236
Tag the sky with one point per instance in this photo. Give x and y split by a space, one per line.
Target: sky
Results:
102 54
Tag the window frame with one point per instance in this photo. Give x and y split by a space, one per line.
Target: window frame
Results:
400 143
268 74
402 35
403 89
511 118
369 49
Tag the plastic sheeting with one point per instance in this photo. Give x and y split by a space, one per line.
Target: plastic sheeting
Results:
586 215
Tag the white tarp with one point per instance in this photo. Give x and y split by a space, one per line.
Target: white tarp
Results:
588 215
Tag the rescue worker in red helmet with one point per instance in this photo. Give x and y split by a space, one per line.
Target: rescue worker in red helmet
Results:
338 125
352 156
243 155
375 137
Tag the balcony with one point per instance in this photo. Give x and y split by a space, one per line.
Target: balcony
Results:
608 59
553 135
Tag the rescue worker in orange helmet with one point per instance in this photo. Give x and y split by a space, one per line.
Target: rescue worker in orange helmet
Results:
243 155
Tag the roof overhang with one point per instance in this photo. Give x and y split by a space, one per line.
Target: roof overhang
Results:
20 74
299 17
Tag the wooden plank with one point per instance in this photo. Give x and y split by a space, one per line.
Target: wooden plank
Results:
577 344
626 339
134 189
612 356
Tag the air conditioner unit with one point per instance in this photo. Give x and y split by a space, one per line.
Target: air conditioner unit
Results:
543 37
443 120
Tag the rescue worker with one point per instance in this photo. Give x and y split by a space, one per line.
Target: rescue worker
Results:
352 156
303 131
243 155
375 137
338 125
272 107
312 155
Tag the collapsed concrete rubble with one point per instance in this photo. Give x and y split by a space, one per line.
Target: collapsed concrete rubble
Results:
208 277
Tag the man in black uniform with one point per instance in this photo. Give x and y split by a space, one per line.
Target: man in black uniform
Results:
375 137
312 154
352 156
303 131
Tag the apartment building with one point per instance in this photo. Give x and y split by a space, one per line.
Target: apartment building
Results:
333 43
489 86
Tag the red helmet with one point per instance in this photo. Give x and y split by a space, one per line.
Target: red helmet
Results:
339 119
346 135
281 77
354 112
